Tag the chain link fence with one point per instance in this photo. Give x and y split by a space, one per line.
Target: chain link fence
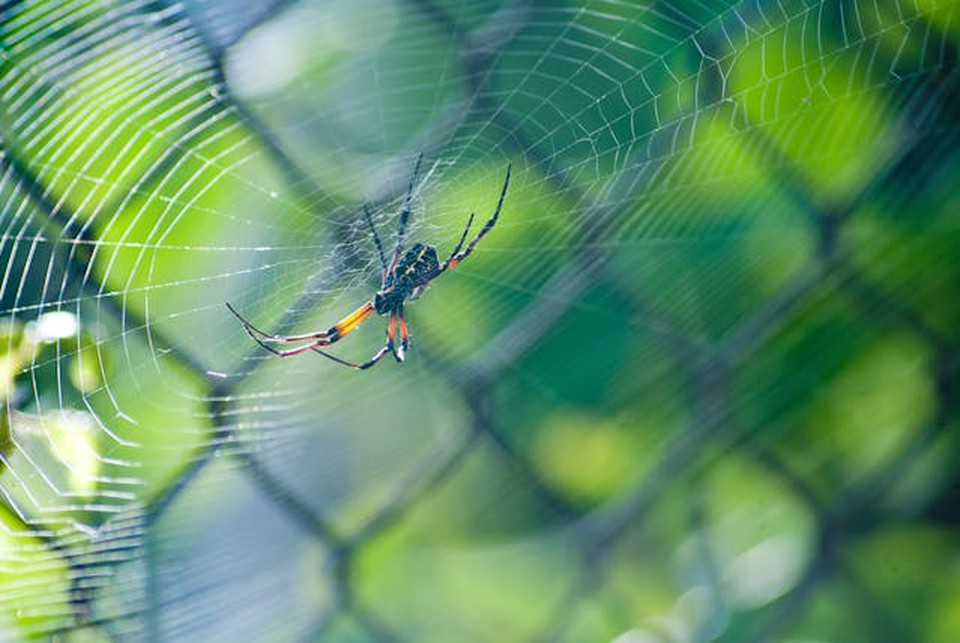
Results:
123 574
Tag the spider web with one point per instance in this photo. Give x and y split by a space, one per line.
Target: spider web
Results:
712 335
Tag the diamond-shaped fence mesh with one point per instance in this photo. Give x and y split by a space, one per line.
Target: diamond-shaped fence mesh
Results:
698 383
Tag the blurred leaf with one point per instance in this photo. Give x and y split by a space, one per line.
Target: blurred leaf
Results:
868 411
760 532
589 458
35 581
460 591
908 567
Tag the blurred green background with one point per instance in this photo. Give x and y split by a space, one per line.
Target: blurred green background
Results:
699 383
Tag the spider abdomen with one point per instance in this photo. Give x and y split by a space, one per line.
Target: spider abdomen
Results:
417 266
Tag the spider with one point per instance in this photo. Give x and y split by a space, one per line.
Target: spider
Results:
404 278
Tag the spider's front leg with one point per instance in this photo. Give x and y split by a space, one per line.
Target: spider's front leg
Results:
458 255
405 215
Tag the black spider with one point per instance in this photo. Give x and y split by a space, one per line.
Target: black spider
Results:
404 278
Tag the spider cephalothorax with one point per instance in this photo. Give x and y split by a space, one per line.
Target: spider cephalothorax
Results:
404 278
417 267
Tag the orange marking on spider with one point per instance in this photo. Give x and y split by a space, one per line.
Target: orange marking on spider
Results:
354 319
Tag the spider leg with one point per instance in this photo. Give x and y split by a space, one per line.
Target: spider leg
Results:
290 352
387 348
351 321
404 338
463 237
327 337
360 367
405 214
271 338
376 239
392 334
460 256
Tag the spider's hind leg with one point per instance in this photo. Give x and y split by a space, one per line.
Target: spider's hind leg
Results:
264 336
380 354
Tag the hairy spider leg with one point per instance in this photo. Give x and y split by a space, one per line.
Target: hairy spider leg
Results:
459 256
376 240
463 237
405 215
290 352
276 339
388 348
401 354
354 319
331 336
392 343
